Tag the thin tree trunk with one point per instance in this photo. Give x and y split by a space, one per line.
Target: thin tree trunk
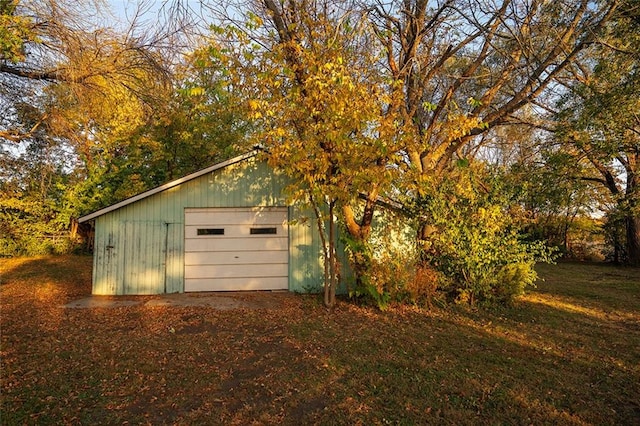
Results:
325 251
333 273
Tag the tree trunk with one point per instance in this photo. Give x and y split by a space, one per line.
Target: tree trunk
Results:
333 263
632 220
424 232
633 240
329 299
328 239
360 231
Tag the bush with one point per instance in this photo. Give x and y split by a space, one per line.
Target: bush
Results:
36 244
472 241
471 251
512 279
423 289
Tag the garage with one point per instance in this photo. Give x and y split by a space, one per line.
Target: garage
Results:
233 249
227 227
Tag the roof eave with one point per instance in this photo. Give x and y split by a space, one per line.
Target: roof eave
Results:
167 186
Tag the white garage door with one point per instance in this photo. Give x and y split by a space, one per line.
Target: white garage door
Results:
236 249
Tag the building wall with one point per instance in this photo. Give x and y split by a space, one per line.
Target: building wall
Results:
139 248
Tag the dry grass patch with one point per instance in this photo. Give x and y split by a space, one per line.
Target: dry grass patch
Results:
569 353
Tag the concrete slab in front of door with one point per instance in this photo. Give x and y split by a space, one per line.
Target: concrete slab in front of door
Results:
221 301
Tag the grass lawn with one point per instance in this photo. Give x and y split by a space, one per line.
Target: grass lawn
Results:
568 353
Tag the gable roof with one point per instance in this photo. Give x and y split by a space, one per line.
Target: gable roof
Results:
168 185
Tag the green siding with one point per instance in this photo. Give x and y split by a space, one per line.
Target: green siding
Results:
306 274
139 248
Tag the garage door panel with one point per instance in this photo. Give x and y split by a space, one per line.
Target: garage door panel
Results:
239 258
236 218
238 271
236 244
233 284
238 210
241 231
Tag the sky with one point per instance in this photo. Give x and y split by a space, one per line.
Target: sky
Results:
124 10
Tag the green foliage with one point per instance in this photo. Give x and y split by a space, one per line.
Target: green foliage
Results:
33 210
204 120
598 122
30 227
512 279
108 127
318 107
388 261
556 205
471 240
15 31
372 279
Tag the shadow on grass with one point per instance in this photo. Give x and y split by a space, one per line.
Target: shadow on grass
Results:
468 369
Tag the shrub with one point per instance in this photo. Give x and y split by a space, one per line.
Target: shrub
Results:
423 289
471 250
472 241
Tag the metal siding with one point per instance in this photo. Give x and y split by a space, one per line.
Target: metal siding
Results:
159 263
174 258
306 273
306 259
107 270
144 257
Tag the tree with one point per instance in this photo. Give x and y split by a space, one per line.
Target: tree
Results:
32 196
74 77
467 67
126 109
442 75
555 197
204 119
73 95
317 102
15 31
598 120
65 47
